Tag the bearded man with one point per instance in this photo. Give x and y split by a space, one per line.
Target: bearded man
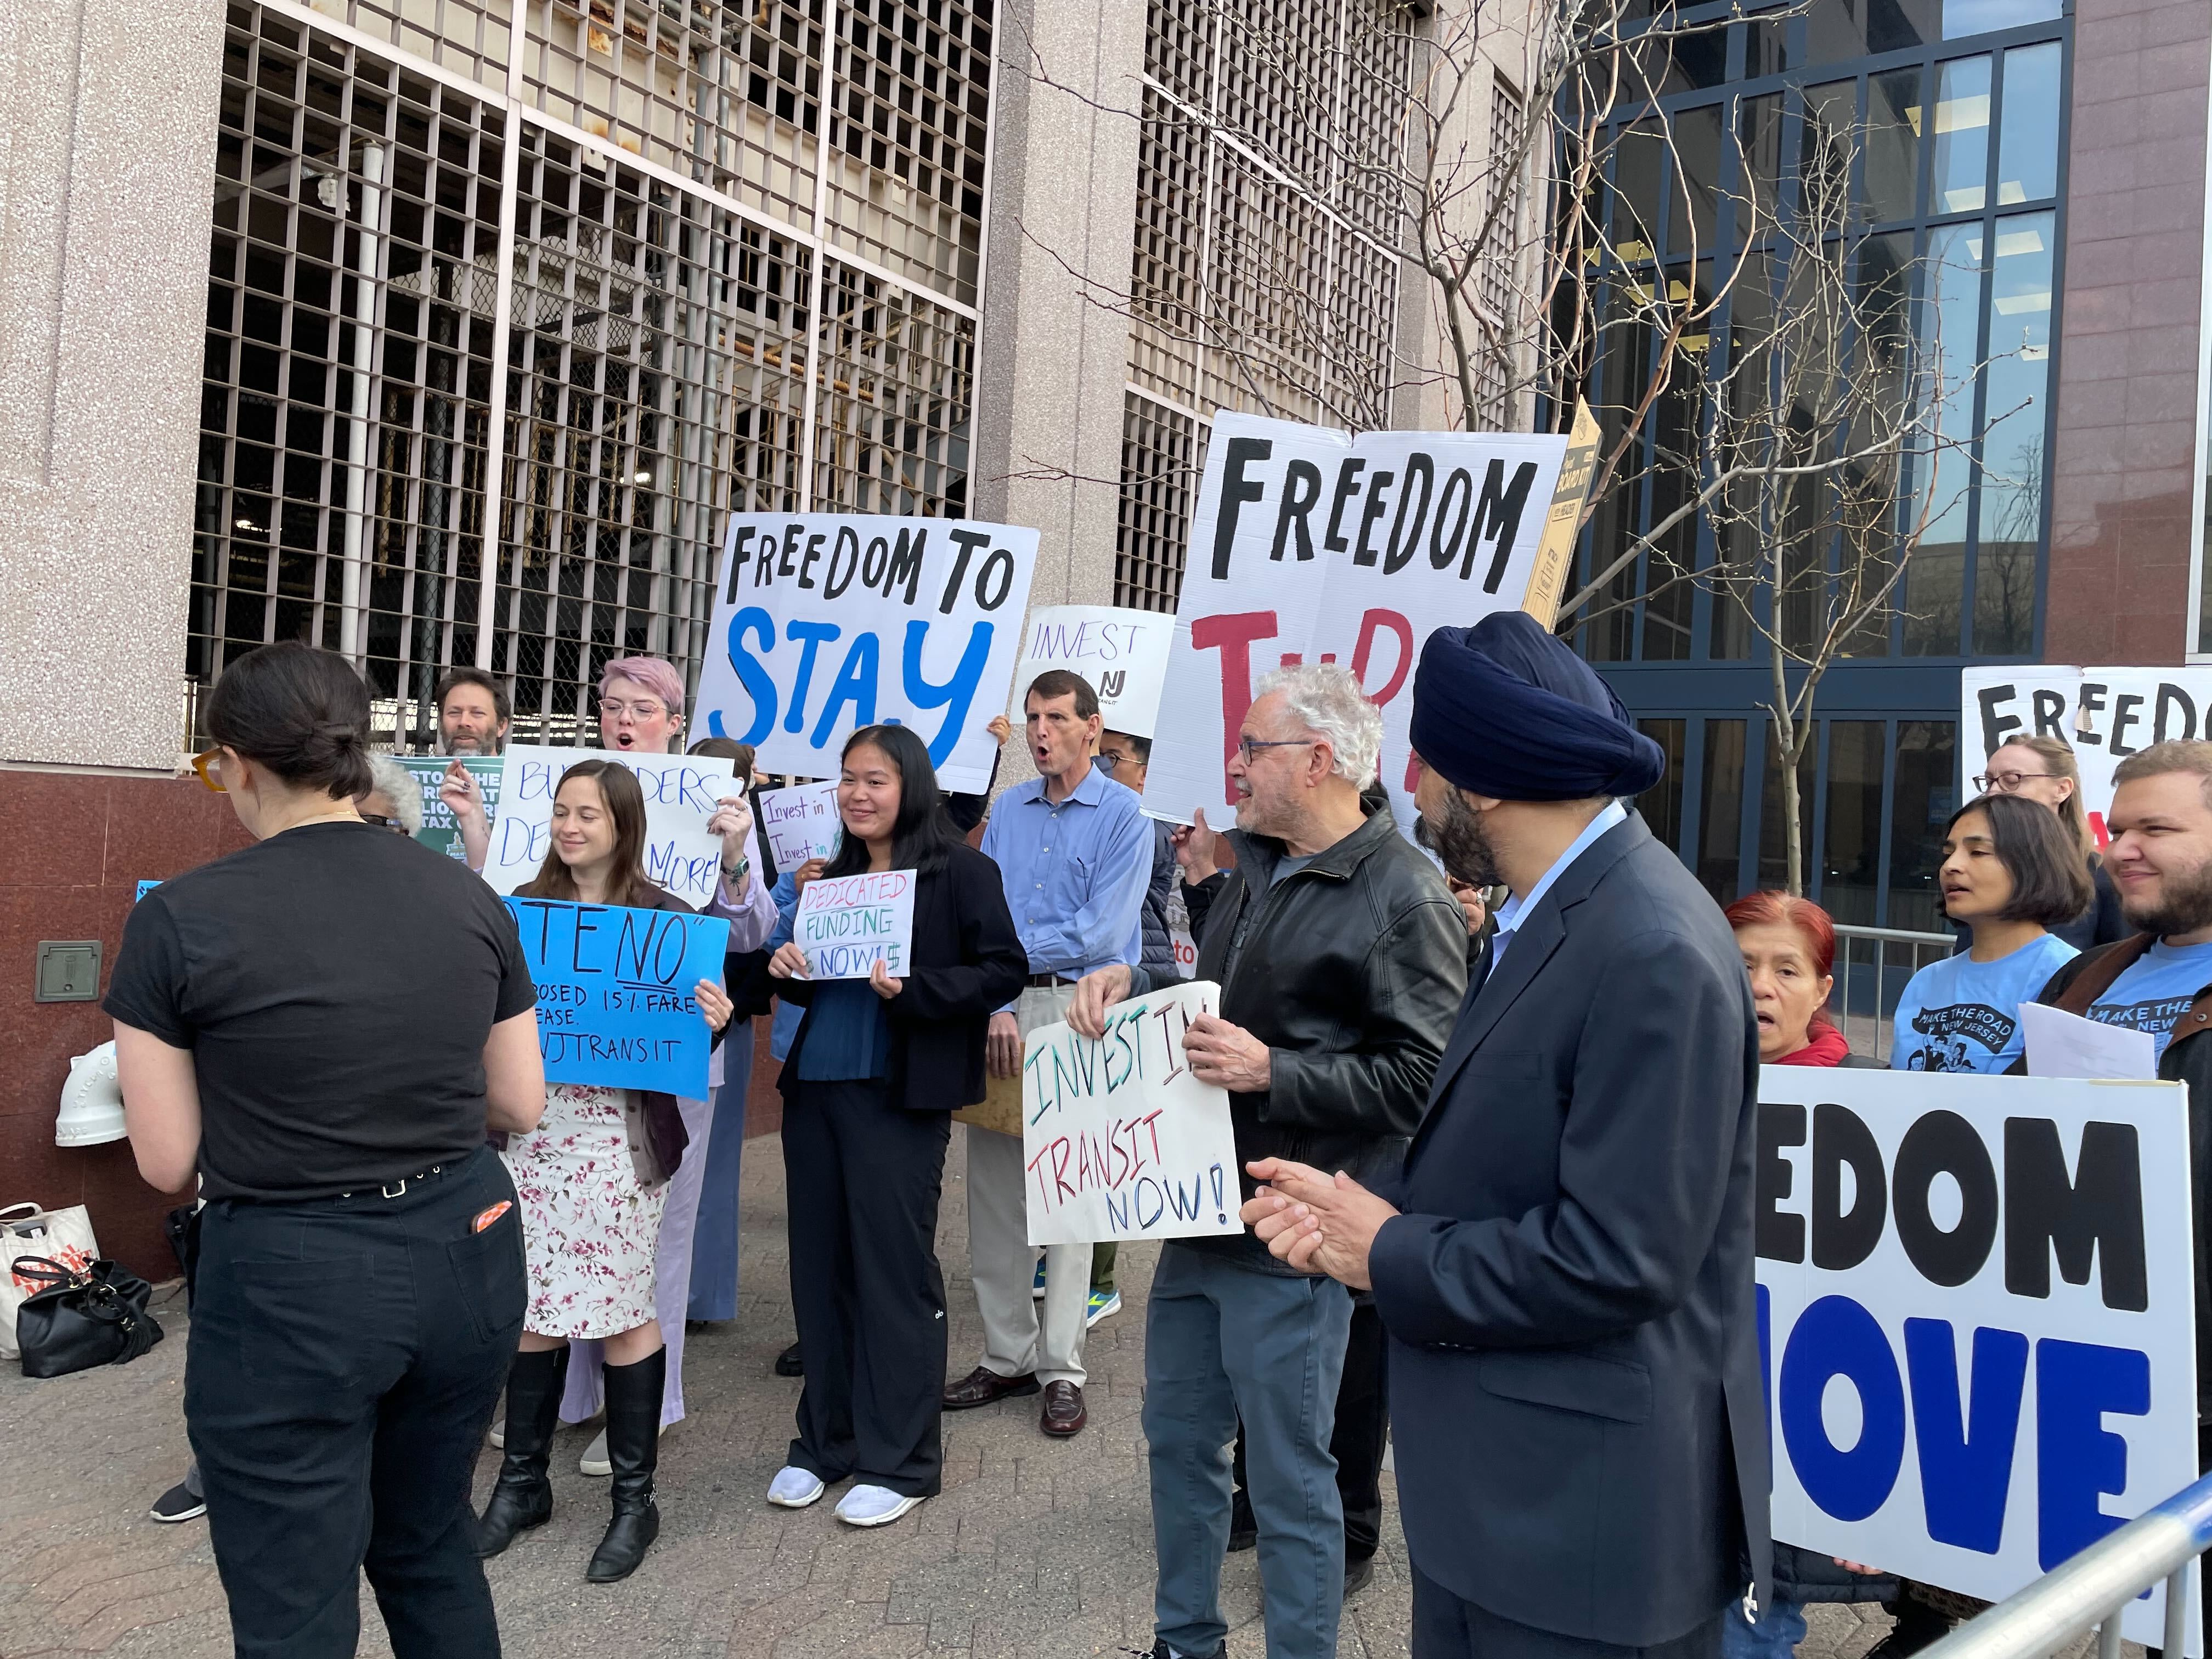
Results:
1565 1267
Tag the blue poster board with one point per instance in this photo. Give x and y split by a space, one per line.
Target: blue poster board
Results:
615 1008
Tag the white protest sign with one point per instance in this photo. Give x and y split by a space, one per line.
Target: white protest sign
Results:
1120 1139
847 924
801 822
2106 714
1311 545
1977 1318
825 622
2060 1044
1123 653
681 791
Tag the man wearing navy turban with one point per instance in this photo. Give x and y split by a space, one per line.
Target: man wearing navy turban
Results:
1565 1266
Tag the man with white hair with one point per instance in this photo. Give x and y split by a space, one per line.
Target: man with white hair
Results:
1342 960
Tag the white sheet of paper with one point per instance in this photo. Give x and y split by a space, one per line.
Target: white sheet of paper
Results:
801 822
2060 1044
847 924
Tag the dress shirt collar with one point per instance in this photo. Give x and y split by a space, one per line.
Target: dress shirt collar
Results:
1091 791
1510 912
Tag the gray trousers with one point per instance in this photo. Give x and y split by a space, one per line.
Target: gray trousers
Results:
1002 1260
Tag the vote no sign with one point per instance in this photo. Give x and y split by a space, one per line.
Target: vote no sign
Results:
1976 1316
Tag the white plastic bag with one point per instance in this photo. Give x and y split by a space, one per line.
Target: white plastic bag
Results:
63 1236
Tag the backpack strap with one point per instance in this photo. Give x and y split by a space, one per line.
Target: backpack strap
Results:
2095 979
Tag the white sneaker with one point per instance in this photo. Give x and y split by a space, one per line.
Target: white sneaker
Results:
498 1435
873 1506
595 1460
794 1488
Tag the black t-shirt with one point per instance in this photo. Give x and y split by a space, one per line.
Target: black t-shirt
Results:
336 984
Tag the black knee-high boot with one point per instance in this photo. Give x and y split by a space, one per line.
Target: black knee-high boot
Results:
634 1449
524 1496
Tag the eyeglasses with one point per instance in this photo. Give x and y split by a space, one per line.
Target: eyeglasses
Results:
383 822
1249 746
1106 762
2005 782
204 763
641 711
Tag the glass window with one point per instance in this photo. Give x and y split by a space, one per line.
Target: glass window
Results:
1766 48
1962 18
1950 315
1851 850
1828 137
1691 225
1897 25
1892 145
1662 804
1922 800
1759 130
1720 810
1639 158
1962 136
2018 415
2028 151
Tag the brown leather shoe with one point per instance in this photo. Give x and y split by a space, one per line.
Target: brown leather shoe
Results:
1063 1410
985 1386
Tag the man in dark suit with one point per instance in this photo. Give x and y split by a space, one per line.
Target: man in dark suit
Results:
1565 1268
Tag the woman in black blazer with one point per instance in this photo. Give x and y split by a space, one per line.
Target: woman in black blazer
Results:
875 1069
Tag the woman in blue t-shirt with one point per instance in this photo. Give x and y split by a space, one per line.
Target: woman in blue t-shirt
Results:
2010 873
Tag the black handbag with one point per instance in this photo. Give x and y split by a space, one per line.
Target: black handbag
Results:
81 1319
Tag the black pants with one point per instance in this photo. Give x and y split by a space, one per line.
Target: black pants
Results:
1446 1627
863 1177
345 1358
1362 1430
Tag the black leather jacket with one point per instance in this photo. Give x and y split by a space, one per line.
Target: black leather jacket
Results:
1352 973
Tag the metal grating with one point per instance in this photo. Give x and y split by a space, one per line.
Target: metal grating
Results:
1162 451
1497 286
472 37
891 421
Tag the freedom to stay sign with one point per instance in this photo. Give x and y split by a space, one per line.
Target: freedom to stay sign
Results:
1976 1315
2106 714
1311 545
614 1002
1120 1139
681 793
1123 653
825 622
847 924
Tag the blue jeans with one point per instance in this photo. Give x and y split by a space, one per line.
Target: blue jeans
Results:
1780 1628
1223 1342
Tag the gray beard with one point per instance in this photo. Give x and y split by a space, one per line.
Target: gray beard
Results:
2186 907
1460 841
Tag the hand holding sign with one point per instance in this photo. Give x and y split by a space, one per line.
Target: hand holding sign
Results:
848 926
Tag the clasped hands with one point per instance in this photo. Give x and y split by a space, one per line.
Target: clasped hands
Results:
1319 1224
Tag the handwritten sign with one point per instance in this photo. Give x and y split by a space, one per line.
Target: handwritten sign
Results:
614 1002
681 791
439 829
1120 1139
847 924
800 822
825 622
2105 714
1123 653
1976 1317
1310 546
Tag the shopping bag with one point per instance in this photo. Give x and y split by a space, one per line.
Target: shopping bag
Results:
62 1236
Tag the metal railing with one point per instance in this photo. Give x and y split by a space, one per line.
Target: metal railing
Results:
2091 1589
1872 966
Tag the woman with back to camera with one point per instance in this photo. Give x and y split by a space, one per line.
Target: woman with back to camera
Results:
592 1180
2010 873
2044 770
324 1025
876 1070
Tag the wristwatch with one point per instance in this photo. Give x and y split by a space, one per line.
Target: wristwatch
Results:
738 872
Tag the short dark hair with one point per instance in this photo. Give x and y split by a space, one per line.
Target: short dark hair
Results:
301 712
921 834
2174 755
2049 876
739 755
1139 747
501 704
1064 682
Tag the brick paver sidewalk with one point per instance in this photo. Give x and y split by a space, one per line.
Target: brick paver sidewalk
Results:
1036 1547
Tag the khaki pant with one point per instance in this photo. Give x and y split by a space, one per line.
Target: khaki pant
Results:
1000 1257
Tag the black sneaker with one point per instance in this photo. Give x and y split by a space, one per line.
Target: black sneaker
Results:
1160 1649
1243 1529
788 1363
1358 1575
178 1503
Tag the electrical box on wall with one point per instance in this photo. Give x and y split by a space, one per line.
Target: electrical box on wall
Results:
69 970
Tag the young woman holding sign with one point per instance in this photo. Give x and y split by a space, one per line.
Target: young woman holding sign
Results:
592 1180
876 1070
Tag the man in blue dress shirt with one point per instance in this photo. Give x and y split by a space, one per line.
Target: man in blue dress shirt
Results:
1076 855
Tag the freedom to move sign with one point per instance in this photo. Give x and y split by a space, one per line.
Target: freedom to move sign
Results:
848 924
1120 1139
614 1007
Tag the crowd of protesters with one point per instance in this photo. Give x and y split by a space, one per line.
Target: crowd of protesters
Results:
1454 1235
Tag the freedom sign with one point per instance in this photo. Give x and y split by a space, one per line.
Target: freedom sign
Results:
1120 1140
826 621
1122 653
614 1002
1312 545
1976 1316
2106 714
681 793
